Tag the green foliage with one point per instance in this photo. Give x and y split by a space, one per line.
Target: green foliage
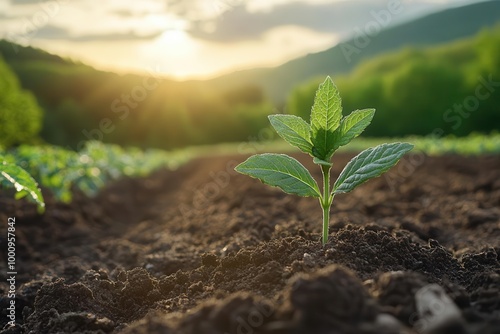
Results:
282 171
20 116
230 109
470 145
300 99
64 124
12 176
294 130
145 111
412 89
419 90
326 114
352 126
327 132
473 144
88 170
433 29
369 164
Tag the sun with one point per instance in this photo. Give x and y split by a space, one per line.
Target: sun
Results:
175 37
175 42
174 51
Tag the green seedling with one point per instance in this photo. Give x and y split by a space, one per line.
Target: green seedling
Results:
13 176
327 132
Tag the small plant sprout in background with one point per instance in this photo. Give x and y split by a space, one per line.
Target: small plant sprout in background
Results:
13 176
327 132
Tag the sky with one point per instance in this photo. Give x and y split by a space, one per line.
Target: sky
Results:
188 39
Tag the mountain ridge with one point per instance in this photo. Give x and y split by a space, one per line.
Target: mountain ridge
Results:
278 81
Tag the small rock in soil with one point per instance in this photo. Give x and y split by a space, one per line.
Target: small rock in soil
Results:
437 312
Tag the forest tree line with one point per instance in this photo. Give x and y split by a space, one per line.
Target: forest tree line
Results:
454 87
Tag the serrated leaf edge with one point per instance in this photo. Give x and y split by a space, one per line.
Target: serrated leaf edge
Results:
315 184
307 140
318 101
408 148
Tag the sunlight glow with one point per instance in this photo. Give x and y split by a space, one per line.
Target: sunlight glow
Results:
130 36
174 42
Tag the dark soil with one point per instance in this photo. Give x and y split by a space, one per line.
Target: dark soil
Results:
203 250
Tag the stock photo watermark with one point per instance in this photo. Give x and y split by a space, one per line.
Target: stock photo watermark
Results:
254 320
122 106
219 180
454 116
11 271
471 103
221 6
28 29
435 311
363 36
206 193
202 9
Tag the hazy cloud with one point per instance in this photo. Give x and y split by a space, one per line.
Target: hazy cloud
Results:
200 9
124 13
239 24
24 2
127 13
58 33
127 36
52 32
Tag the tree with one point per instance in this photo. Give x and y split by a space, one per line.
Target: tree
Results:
20 115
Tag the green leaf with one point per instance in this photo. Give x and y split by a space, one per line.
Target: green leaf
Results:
294 130
369 164
352 126
13 176
21 194
282 171
326 114
322 162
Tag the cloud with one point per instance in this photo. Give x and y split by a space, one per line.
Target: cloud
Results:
24 2
51 32
200 9
241 20
240 24
124 13
128 36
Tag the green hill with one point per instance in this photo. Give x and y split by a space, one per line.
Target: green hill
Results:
453 88
81 103
437 28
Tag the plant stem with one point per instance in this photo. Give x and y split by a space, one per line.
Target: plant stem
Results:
326 202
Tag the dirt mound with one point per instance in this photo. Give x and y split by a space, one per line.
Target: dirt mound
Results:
204 250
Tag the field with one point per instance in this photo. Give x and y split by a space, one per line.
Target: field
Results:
132 150
200 249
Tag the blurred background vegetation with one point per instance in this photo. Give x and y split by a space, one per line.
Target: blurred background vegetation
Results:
413 82
20 115
419 90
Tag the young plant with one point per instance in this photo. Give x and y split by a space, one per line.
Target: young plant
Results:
327 132
13 176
